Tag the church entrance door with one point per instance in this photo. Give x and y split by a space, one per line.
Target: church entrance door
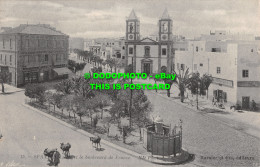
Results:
147 68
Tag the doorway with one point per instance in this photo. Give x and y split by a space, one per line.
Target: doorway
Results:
147 68
245 102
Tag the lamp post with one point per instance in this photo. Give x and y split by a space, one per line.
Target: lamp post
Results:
131 96
197 95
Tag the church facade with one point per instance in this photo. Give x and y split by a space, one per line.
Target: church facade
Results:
147 55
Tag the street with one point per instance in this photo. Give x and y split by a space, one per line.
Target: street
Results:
26 134
206 137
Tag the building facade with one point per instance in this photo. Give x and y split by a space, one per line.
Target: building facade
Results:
33 53
149 56
234 66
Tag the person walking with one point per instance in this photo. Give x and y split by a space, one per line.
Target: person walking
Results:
253 105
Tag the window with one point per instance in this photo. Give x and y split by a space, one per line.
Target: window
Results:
10 59
118 55
131 50
3 43
46 58
245 73
164 51
33 59
1 58
197 48
215 49
218 70
123 57
123 48
10 43
182 66
201 64
55 44
27 43
38 43
147 51
252 50
5 59
58 57
195 66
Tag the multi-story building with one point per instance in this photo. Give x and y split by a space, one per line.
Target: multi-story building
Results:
233 64
33 53
149 56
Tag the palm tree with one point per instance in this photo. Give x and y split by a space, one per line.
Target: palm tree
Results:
182 80
206 80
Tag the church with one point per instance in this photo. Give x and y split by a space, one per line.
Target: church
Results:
147 55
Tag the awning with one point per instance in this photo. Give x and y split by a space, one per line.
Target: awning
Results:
62 71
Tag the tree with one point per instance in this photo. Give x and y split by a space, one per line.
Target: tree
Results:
116 111
4 78
168 81
57 99
206 80
102 101
67 103
36 91
79 103
182 81
65 86
194 82
48 95
113 62
82 87
141 109
129 68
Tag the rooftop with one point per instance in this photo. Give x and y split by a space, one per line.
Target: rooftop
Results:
165 14
42 29
132 15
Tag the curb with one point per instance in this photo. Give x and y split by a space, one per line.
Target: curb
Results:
105 142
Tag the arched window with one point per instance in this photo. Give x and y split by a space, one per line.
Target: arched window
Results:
147 51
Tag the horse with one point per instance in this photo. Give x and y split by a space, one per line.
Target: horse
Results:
56 158
96 140
49 153
66 149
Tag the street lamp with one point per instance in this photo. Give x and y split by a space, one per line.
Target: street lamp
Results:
131 96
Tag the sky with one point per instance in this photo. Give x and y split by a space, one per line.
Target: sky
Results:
106 18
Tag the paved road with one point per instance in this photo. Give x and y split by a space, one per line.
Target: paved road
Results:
27 133
208 138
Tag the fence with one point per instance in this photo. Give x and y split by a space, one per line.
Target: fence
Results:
163 145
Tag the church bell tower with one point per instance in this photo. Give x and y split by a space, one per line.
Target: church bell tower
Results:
166 40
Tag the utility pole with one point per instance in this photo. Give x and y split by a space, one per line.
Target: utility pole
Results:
131 96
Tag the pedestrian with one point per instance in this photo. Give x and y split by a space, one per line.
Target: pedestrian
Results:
213 101
56 158
253 105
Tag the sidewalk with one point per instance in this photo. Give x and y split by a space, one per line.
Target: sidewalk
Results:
246 121
10 89
184 157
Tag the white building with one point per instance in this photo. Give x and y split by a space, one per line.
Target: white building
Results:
234 66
